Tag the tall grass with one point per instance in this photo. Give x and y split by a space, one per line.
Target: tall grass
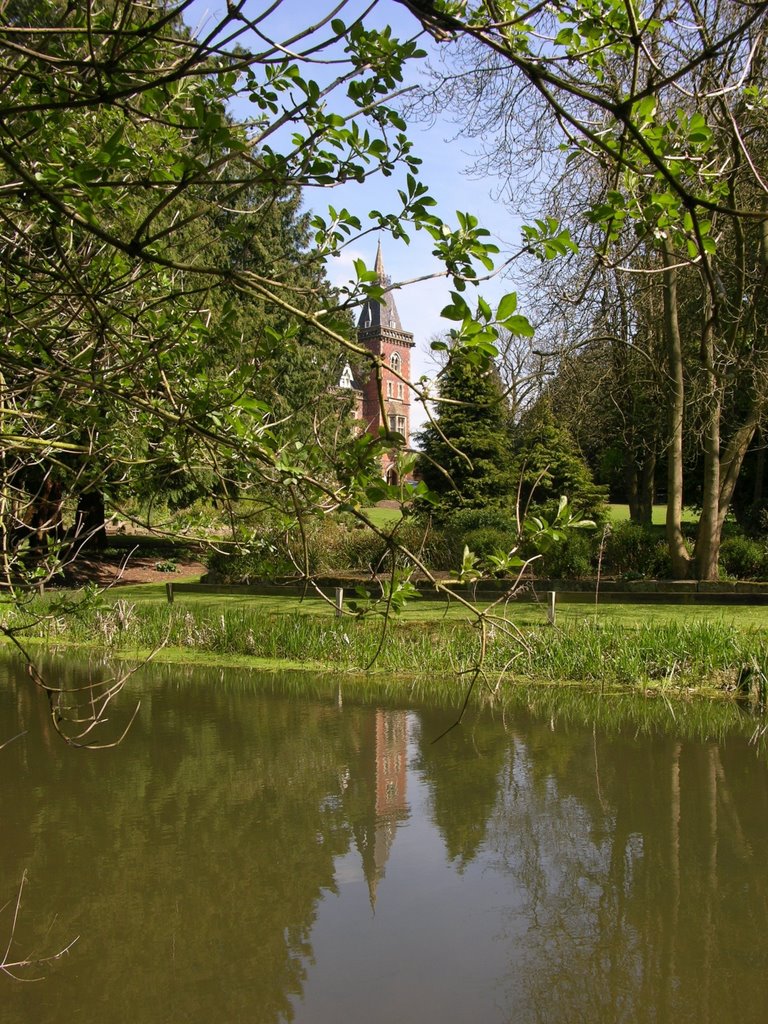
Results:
684 653
689 653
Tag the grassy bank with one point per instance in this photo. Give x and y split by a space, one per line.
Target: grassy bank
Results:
674 649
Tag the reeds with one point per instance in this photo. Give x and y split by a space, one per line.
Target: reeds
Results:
675 653
685 652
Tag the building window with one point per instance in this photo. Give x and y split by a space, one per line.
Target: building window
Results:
400 390
400 424
393 422
389 389
394 362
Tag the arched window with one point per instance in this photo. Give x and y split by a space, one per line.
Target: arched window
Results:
394 361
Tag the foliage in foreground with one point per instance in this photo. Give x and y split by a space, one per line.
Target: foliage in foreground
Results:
168 326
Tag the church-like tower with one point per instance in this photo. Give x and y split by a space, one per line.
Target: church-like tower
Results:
380 331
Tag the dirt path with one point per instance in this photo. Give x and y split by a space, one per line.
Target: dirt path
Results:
118 571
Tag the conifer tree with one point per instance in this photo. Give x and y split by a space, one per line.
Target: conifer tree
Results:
548 463
466 454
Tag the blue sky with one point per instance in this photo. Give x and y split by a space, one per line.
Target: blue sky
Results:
444 159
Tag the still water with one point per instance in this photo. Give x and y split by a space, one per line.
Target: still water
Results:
250 856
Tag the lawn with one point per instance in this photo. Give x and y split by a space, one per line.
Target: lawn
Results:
620 514
523 613
688 647
383 517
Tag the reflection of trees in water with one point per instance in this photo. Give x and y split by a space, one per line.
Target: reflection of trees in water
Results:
632 859
201 863
640 864
462 773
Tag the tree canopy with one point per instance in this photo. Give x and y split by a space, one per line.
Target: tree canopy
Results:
153 287
656 119
548 464
466 460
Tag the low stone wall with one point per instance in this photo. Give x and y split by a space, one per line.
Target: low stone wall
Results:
567 591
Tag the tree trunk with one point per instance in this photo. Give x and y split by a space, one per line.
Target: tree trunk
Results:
45 519
641 489
732 460
90 522
631 483
710 524
647 490
681 560
759 483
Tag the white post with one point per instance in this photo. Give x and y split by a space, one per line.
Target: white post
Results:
551 595
339 601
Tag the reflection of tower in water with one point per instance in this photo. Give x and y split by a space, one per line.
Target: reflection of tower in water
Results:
385 804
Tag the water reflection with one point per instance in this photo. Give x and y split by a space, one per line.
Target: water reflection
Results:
246 855
374 781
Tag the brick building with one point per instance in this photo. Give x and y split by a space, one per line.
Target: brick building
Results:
380 331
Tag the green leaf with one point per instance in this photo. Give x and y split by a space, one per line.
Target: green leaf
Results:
457 310
519 326
507 306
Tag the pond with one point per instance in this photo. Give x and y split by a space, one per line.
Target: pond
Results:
251 855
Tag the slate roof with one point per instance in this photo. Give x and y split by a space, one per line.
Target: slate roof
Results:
375 315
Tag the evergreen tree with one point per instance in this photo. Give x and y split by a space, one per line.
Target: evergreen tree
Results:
466 454
549 464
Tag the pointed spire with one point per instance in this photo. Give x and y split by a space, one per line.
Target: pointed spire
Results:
377 315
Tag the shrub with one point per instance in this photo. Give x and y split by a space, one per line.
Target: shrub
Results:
335 544
443 542
744 558
638 551
493 517
486 540
344 547
570 559
262 561
430 544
